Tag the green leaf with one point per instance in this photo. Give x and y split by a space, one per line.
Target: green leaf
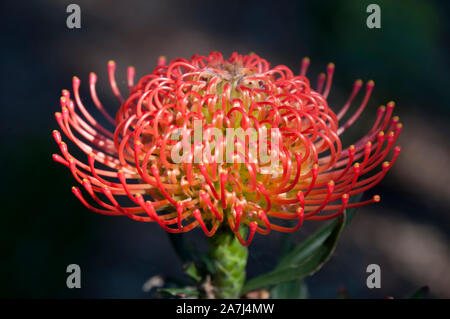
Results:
186 292
206 264
308 257
420 293
286 244
193 272
294 289
196 264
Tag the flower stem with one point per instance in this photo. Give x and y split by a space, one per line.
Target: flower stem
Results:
229 259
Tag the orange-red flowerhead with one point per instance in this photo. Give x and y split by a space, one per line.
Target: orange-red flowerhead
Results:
286 160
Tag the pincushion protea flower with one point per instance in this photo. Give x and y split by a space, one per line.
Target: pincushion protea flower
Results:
313 179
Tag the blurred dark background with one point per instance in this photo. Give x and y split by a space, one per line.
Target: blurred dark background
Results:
45 228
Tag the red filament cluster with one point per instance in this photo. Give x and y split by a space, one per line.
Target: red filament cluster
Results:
130 169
